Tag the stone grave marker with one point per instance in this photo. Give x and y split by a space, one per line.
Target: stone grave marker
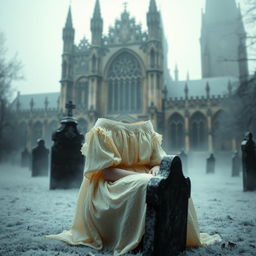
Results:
235 165
67 162
40 159
210 164
248 148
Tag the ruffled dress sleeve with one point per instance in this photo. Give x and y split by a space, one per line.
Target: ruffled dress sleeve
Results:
99 150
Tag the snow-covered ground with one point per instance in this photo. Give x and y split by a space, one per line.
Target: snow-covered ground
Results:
28 210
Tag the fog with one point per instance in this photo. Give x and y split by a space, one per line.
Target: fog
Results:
33 30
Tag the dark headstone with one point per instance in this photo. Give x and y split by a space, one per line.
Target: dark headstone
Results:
210 164
67 161
249 162
184 159
40 162
236 163
167 209
25 158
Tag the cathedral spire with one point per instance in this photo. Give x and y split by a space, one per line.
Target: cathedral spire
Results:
96 25
152 6
69 19
68 33
96 13
153 21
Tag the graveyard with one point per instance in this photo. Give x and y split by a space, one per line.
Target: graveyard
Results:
38 198
29 210
116 132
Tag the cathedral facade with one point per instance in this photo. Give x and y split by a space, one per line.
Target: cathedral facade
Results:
124 76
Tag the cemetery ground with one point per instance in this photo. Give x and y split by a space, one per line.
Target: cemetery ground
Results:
30 210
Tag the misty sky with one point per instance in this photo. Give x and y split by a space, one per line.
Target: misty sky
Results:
33 30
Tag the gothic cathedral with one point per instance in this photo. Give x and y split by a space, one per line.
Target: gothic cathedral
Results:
124 76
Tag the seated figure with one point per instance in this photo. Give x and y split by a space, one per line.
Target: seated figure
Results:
121 158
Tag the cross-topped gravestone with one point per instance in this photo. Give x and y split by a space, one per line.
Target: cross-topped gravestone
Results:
70 107
67 162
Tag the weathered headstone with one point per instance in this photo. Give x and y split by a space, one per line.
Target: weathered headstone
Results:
184 159
249 162
25 158
236 165
40 159
67 162
210 164
167 210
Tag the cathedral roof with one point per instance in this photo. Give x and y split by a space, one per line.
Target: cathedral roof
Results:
39 100
218 86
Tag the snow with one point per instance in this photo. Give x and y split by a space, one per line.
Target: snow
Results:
29 210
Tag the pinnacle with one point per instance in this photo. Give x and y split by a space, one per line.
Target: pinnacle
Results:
69 19
96 13
152 6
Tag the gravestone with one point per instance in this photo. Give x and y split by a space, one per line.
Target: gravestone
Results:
67 162
184 159
25 158
167 210
40 162
210 164
249 162
235 165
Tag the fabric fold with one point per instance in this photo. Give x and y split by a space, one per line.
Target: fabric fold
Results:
111 215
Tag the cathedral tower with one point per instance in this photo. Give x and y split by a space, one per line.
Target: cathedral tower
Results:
94 76
155 62
96 25
223 50
67 65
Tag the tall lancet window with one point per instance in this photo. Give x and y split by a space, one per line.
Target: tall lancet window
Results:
198 132
82 93
176 132
125 85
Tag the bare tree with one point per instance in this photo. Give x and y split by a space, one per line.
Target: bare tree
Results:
10 70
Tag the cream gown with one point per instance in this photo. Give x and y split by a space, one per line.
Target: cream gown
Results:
111 215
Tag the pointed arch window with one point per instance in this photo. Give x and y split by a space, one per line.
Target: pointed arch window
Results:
82 93
176 132
198 132
125 85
